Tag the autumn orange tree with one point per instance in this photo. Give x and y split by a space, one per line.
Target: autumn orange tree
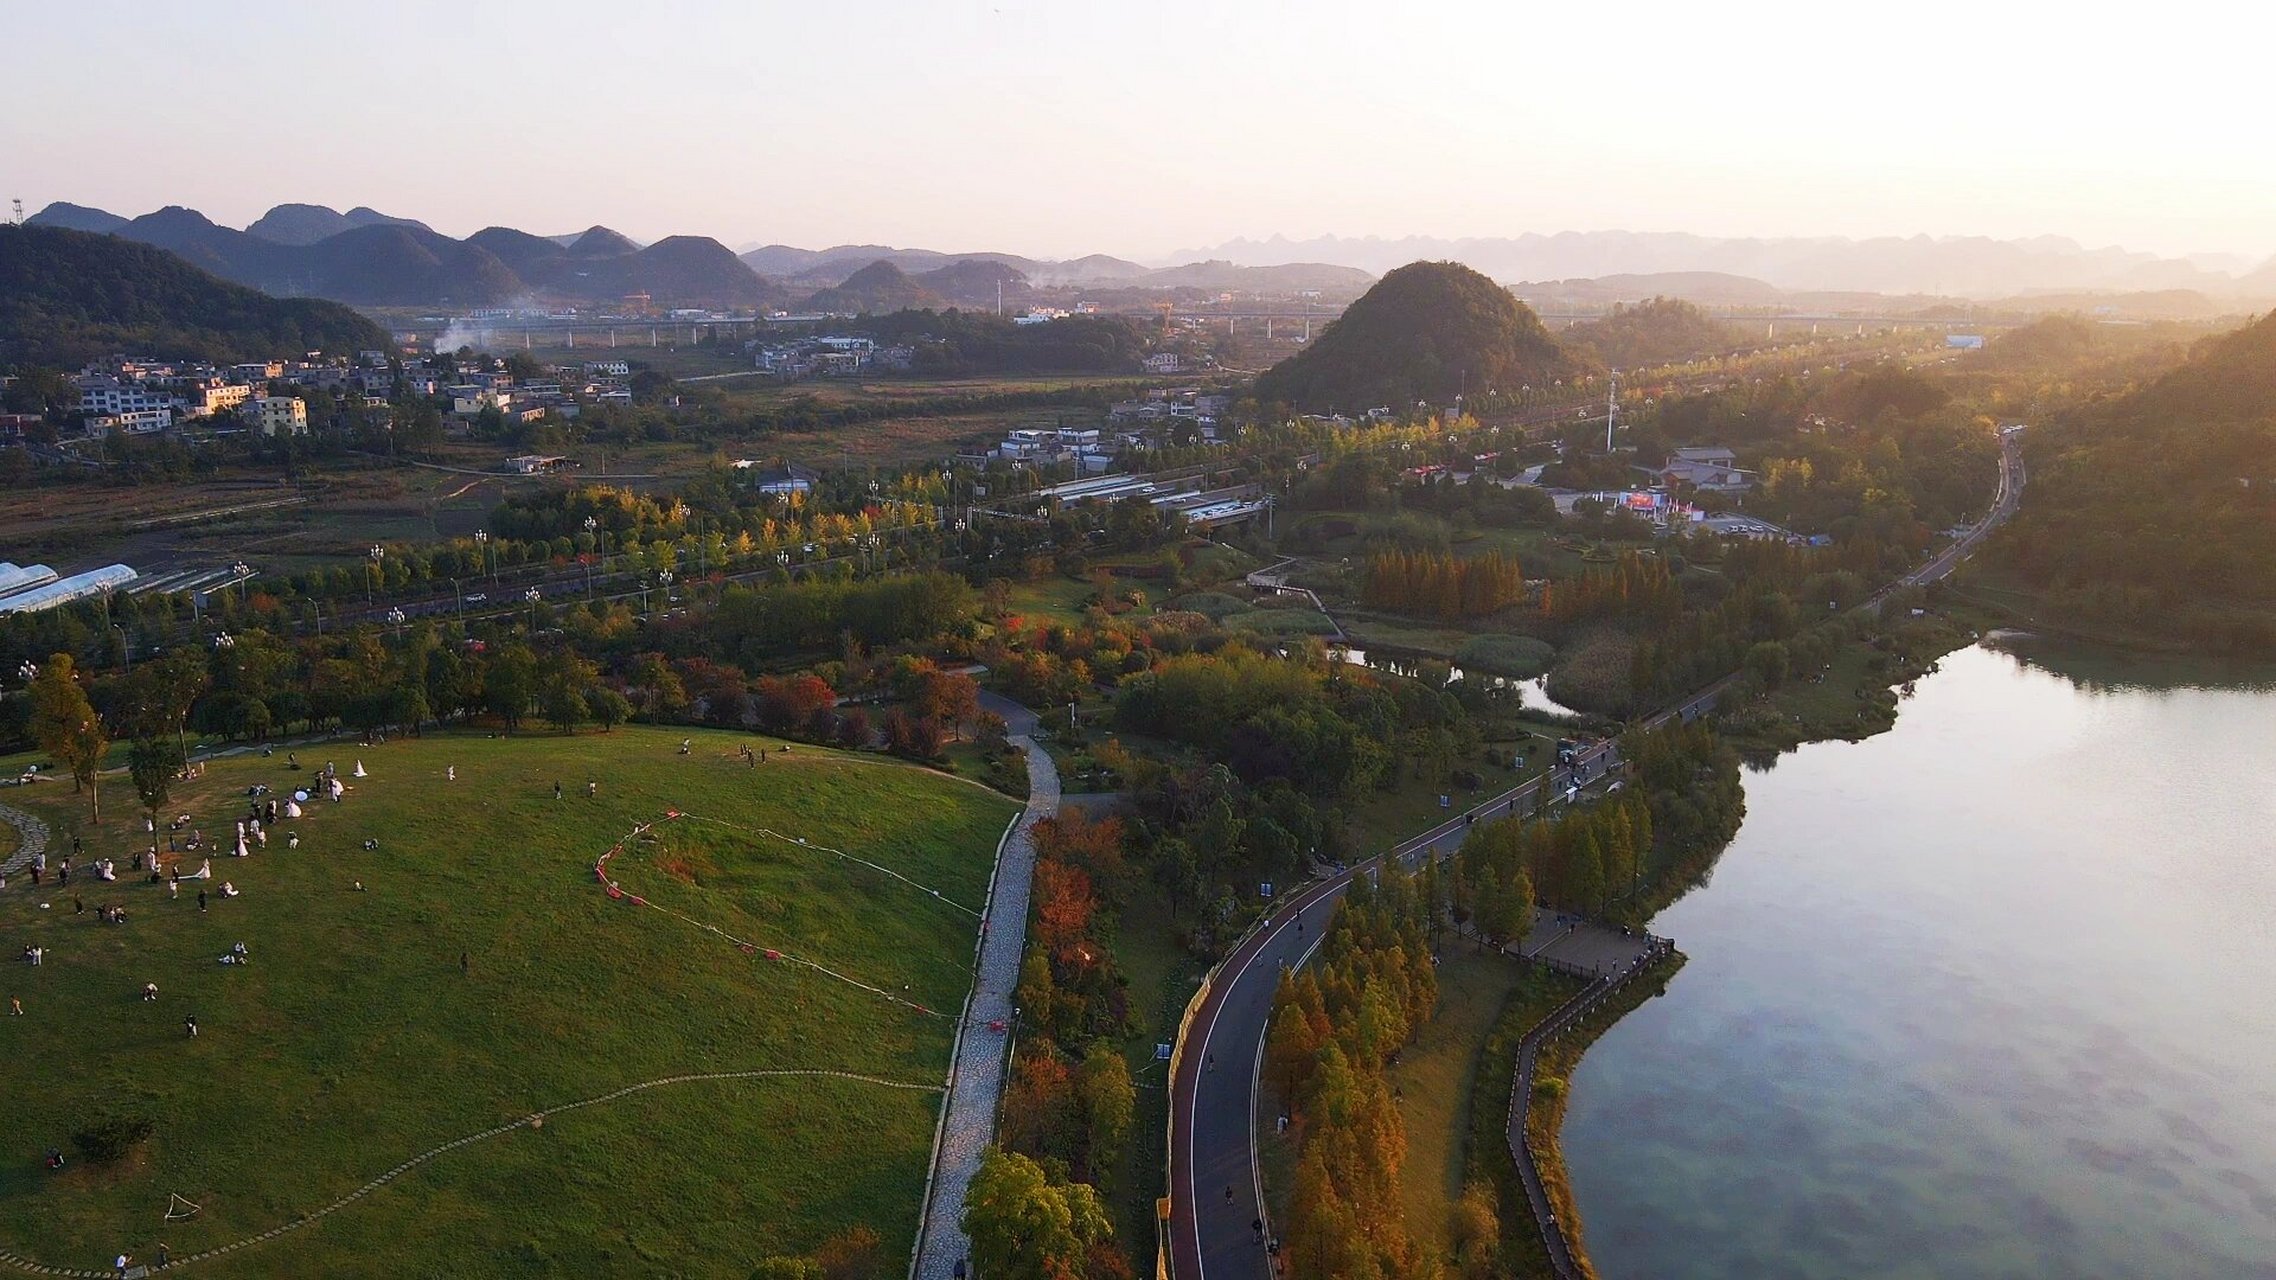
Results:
1334 1029
1071 1100
1436 584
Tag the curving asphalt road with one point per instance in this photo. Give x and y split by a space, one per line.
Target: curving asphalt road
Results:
1216 1187
1216 1190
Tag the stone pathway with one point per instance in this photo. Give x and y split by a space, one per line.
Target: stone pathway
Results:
31 839
976 1079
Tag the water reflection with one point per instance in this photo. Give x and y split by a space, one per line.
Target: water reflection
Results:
1982 996
1534 693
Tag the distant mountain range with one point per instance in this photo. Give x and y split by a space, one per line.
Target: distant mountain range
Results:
368 258
1955 266
372 259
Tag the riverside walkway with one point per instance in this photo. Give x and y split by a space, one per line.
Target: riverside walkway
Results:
1612 957
976 1073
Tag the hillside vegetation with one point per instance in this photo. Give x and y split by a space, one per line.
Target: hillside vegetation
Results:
2157 510
1427 331
880 286
1661 331
70 296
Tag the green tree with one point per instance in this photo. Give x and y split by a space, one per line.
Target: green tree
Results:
1769 661
1026 1225
153 762
608 707
1110 1100
564 682
510 684
65 725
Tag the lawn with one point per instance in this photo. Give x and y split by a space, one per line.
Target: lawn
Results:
1435 1078
355 1040
1050 598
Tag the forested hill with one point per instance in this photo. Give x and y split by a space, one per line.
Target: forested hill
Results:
1661 331
70 296
1427 331
2157 510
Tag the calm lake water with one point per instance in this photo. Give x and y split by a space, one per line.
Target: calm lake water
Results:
1990 995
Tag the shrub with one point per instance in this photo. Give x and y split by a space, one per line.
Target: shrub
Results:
1517 657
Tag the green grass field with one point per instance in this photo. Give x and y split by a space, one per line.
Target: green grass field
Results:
353 1041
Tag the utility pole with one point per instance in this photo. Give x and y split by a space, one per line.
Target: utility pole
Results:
1611 410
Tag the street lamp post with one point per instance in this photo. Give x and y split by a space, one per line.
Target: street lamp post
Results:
396 616
378 556
533 595
482 539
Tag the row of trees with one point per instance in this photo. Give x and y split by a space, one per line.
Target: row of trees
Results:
1070 1103
1334 1029
1439 585
1582 860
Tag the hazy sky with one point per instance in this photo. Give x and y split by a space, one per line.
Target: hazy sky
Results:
1057 127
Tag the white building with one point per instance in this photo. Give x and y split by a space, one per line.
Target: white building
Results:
111 397
134 422
205 399
277 415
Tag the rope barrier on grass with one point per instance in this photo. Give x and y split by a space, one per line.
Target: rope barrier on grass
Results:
618 892
801 842
531 1121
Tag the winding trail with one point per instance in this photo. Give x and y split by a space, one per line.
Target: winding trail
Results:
530 1121
976 1071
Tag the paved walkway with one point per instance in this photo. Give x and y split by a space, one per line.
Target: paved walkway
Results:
976 1079
31 838
1584 948
1641 950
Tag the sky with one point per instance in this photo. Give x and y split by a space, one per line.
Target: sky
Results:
1062 127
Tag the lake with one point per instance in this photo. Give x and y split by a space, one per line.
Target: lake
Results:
1990 995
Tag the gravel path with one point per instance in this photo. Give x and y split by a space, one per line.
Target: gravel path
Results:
976 1080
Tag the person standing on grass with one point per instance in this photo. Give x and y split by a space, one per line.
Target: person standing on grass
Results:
190 1024
201 902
